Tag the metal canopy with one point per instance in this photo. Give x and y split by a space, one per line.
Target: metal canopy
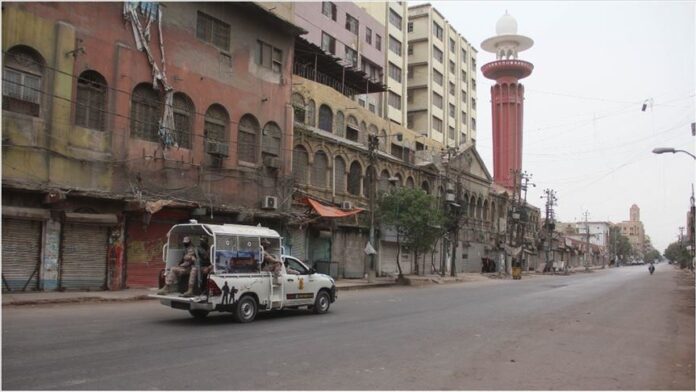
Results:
309 54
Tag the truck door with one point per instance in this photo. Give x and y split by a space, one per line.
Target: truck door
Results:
299 287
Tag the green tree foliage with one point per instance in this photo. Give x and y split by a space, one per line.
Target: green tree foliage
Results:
652 256
677 252
414 216
619 245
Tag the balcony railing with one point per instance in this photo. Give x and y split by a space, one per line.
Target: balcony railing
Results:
309 72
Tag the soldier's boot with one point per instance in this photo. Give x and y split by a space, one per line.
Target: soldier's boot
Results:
188 293
166 289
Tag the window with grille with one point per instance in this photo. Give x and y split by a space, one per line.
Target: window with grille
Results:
409 49
352 130
452 112
325 118
298 105
268 56
450 133
340 174
300 162
213 31
395 100
90 101
329 9
183 119
351 57
352 24
311 113
437 54
328 43
473 83
451 66
368 35
378 42
320 168
394 72
22 75
146 109
394 45
437 31
247 140
340 124
464 97
410 27
271 140
437 77
354 177
464 118
453 46
437 100
452 89
395 19
397 151
473 103
437 124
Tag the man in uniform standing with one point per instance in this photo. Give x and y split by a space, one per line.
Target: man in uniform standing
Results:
185 265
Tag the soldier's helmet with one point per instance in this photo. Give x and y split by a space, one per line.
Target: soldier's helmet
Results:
186 240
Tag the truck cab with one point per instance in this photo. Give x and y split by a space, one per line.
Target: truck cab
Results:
248 273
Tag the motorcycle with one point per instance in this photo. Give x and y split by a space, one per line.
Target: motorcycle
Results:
651 269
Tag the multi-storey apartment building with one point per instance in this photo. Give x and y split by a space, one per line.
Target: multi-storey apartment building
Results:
122 119
393 15
348 32
441 79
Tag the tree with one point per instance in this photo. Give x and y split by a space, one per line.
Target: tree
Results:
652 255
619 245
676 252
414 216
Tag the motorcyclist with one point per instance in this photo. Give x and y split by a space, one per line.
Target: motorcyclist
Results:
651 268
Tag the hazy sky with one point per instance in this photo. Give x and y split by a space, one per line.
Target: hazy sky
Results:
585 136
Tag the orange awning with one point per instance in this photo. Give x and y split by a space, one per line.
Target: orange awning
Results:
331 212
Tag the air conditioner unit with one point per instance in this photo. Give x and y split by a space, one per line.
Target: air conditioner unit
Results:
270 203
272 162
346 205
449 196
216 148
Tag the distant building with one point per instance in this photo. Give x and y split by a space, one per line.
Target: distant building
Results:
633 230
441 78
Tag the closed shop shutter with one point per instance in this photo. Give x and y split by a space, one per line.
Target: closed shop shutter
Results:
387 258
296 244
21 251
84 257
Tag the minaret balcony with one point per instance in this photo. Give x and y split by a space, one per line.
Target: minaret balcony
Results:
507 68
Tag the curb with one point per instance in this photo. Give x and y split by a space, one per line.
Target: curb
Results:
368 286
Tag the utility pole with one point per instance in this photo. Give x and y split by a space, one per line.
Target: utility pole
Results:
587 241
457 212
549 225
372 144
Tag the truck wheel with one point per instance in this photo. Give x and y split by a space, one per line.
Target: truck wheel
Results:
322 303
199 314
246 309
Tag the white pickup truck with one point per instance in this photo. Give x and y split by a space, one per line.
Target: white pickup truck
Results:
237 281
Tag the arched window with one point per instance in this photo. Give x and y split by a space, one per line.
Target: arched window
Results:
485 210
271 140
22 77
300 161
472 207
325 118
299 106
320 168
479 209
493 213
340 124
311 118
215 132
248 139
90 101
370 174
146 108
383 185
410 183
340 174
352 129
354 176
184 113
465 205
425 186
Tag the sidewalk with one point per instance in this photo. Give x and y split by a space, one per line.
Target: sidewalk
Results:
57 297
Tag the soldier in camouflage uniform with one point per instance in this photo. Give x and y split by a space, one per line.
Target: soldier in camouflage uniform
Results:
184 267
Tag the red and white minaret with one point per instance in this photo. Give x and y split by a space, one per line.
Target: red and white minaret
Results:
507 97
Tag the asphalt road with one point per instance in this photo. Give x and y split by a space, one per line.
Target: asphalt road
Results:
611 329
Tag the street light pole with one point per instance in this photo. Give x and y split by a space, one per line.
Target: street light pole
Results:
372 143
